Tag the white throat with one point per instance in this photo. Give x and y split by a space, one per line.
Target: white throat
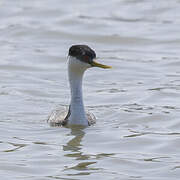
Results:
76 70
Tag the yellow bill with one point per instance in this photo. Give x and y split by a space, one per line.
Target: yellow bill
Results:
96 64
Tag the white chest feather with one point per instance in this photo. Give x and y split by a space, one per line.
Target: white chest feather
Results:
76 70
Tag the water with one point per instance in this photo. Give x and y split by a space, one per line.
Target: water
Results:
137 134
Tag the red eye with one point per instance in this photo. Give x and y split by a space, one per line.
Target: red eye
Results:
86 58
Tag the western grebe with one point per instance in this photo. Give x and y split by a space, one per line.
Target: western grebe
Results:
80 58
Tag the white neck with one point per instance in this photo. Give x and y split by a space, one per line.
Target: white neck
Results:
77 111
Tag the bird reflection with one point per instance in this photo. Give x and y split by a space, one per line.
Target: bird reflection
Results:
74 144
74 147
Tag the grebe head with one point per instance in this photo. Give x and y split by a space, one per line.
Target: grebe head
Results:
82 57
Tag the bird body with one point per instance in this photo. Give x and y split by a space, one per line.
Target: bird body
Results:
81 57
